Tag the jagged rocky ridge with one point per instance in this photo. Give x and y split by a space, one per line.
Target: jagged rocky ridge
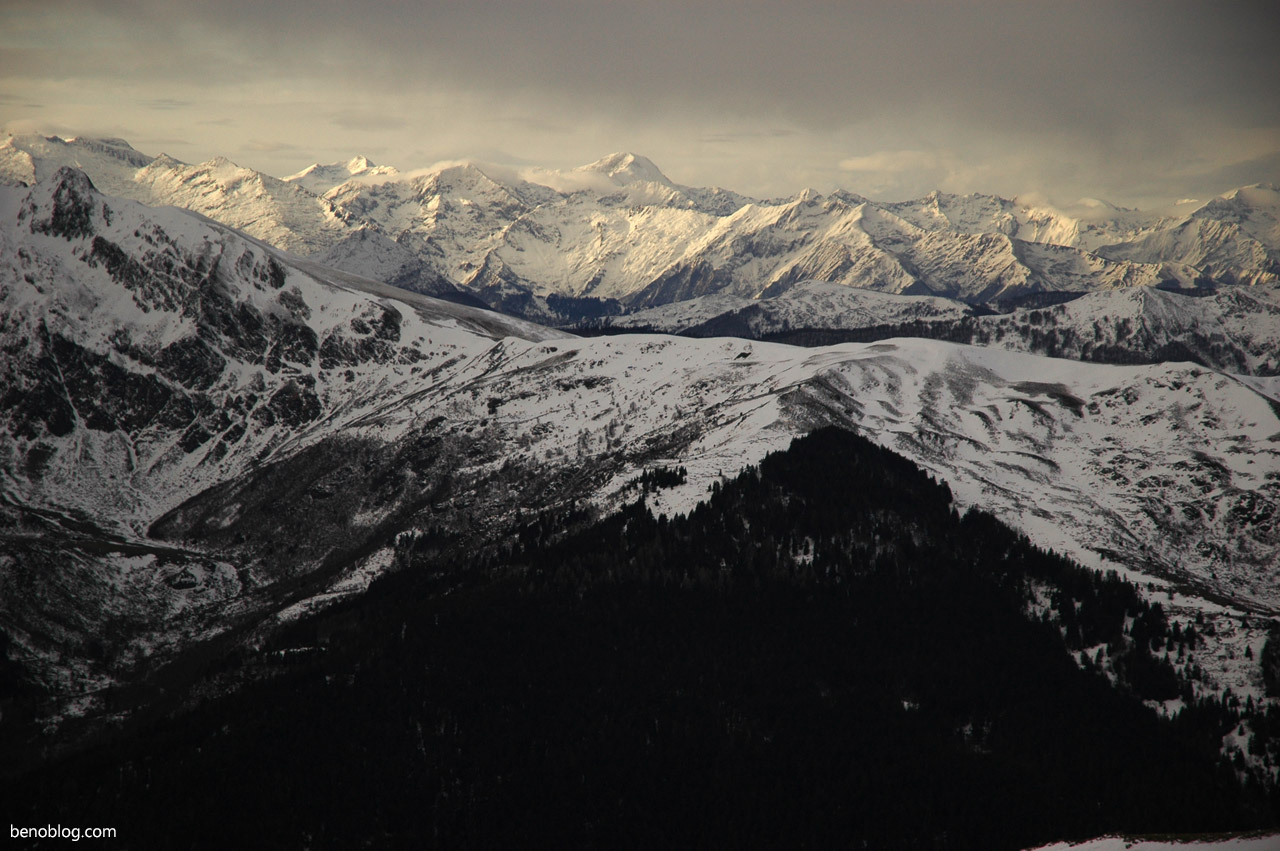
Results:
205 437
618 234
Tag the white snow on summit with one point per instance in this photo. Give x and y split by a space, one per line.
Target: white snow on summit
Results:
319 179
623 169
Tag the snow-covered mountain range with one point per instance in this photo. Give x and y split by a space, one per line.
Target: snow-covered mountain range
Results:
319 179
807 305
615 234
204 435
1234 328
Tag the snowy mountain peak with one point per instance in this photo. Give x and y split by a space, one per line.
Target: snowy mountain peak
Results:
73 179
626 168
1255 192
946 200
320 178
31 158
225 168
464 168
851 199
66 206
463 176
1257 197
111 145
1254 211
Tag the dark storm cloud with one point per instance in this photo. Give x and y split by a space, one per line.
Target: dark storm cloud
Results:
1035 91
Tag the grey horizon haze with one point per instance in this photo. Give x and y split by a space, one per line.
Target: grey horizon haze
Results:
1137 103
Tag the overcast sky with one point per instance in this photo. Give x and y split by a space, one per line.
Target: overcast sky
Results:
1139 103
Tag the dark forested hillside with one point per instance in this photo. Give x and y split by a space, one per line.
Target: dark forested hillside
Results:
823 654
